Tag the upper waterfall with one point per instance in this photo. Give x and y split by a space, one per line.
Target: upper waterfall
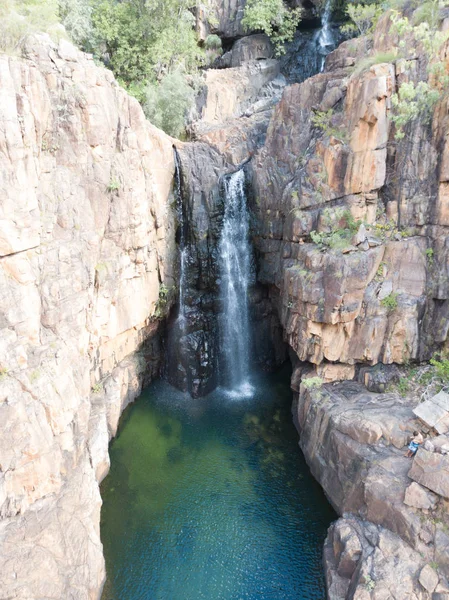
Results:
325 37
235 274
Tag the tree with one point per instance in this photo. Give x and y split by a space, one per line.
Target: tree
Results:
144 40
363 16
167 103
274 18
76 16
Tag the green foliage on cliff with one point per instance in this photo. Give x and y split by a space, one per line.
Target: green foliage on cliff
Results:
340 228
417 100
419 32
141 41
323 121
20 18
167 103
441 364
312 383
412 101
76 16
390 302
274 18
363 18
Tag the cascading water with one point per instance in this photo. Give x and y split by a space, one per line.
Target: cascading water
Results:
325 40
235 275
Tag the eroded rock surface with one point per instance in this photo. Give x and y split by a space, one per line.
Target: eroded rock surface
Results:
86 239
392 528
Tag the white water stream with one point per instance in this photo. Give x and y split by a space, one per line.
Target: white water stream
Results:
325 39
235 275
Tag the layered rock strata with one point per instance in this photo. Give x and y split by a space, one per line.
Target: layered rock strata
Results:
86 240
330 162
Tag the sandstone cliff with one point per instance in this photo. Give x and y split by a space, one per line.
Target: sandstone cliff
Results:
374 296
86 240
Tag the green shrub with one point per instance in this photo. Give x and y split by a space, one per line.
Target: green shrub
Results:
76 16
403 386
323 120
97 388
164 294
142 40
363 18
376 59
274 18
114 185
35 375
311 383
412 101
390 302
441 365
168 103
343 227
212 42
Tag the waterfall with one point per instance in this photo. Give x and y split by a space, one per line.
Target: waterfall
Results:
235 277
325 37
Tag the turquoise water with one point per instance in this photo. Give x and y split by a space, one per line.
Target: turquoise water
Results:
211 499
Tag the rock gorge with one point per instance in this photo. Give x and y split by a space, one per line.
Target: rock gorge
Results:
88 254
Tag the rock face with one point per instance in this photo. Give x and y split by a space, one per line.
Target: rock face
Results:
86 239
222 17
373 297
392 529
351 234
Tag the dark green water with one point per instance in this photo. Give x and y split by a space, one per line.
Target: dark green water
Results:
211 499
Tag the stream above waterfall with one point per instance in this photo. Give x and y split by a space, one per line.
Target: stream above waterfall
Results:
211 499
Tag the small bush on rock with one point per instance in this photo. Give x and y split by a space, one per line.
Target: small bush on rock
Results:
274 18
212 42
363 18
311 383
441 365
390 302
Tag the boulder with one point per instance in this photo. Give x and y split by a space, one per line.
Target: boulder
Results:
428 578
418 497
432 471
435 412
378 378
250 48
360 236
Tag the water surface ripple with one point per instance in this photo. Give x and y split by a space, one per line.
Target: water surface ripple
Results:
211 499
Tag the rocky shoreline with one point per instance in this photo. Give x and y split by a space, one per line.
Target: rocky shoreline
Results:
393 537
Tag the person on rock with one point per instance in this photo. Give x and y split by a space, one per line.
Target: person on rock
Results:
415 443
